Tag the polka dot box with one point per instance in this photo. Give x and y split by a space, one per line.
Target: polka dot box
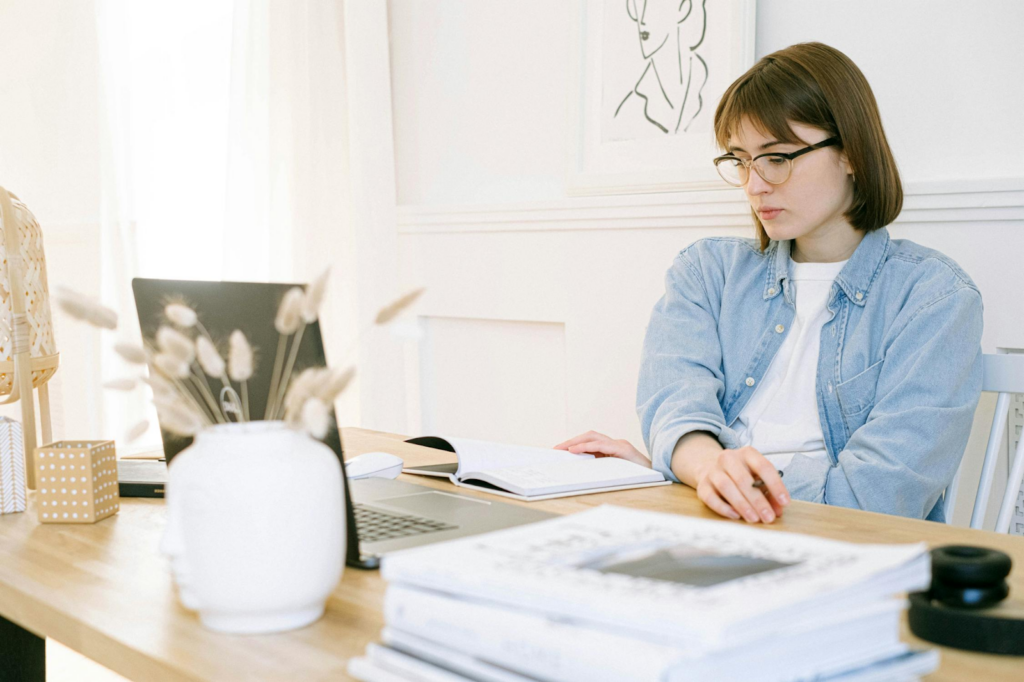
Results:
76 481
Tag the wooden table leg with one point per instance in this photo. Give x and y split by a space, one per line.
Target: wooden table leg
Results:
22 654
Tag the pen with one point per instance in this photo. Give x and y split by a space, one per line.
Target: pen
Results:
758 483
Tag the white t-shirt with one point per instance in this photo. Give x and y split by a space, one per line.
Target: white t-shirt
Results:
781 418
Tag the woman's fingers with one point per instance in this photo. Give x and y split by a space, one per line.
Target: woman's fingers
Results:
710 497
728 490
767 472
582 438
610 448
737 468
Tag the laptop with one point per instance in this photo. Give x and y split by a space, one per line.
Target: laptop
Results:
382 515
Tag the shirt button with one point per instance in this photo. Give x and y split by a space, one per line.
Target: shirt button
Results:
860 296
750 381
771 292
779 328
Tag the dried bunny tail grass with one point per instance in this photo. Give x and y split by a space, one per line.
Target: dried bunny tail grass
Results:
289 314
86 309
173 342
209 359
161 386
314 297
137 431
171 366
240 357
127 384
335 384
392 310
178 417
132 353
316 418
181 315
302 388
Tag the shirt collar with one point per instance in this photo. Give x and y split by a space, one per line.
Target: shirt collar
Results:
856 277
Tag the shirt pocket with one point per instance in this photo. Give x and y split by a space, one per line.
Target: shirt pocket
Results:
857 393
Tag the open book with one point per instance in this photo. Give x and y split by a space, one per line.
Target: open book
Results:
529 473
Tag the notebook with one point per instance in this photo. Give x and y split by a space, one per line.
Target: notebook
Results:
530 473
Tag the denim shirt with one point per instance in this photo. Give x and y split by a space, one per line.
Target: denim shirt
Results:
899 368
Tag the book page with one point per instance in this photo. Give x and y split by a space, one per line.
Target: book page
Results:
479 455
565 476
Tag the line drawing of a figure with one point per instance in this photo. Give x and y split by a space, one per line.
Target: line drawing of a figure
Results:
668 92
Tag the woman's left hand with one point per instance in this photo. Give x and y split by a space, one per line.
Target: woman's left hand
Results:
600 445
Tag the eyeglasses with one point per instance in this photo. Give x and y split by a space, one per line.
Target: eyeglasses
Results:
774 167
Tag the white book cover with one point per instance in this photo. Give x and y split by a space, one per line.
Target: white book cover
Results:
445 666
412 658
563 650
531 473
665 577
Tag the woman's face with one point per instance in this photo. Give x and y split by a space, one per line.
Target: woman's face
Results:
811 203
656 21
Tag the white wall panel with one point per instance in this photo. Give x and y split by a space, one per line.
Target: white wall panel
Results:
479 98
501 380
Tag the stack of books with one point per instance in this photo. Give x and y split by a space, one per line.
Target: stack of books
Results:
622 594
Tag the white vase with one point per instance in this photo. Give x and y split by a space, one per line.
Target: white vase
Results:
256 527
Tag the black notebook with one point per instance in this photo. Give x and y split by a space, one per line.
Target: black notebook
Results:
141 477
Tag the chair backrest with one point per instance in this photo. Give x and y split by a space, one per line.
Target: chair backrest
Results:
1004 374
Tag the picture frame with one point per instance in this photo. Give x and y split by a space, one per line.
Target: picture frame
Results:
635 123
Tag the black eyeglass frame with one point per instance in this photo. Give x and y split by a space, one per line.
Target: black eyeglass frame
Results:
832 141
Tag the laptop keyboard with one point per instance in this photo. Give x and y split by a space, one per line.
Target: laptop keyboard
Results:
374 525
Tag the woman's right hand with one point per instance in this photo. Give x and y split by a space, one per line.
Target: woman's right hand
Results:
725 483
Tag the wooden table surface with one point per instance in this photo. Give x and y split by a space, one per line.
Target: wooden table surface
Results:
105 590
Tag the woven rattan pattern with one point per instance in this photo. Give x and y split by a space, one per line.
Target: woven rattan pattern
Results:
37 303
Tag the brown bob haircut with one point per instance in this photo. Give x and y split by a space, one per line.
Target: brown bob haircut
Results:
819 86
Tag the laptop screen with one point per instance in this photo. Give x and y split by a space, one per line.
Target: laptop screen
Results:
223 307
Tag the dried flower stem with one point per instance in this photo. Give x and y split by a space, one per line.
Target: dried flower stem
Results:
192 399
204 390
274 380
225 382
183 391
245 400
278 412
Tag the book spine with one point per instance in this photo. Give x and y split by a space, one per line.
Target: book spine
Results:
126 489
526 642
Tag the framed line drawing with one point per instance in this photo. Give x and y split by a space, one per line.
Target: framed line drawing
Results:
647 77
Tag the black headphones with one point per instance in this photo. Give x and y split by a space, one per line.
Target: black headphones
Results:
965 580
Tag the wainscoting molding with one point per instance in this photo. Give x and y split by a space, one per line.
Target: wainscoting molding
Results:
968 201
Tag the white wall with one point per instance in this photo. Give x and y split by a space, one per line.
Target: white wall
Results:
480 95
50 158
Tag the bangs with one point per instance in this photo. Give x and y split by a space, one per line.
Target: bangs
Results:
818 86
770 98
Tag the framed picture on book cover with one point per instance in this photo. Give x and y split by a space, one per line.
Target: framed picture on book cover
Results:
647 78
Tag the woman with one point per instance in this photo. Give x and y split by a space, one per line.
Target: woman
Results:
848 360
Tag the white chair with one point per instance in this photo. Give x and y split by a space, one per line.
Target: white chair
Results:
1004 374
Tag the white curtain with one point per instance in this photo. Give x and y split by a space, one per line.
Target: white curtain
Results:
224 152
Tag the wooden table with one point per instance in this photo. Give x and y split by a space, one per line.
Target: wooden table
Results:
105 590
